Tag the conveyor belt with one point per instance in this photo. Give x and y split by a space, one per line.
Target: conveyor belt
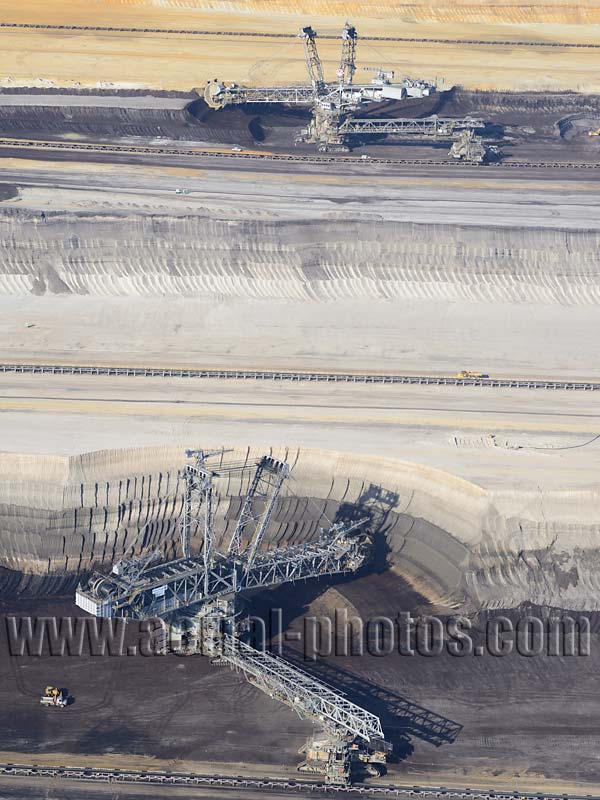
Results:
320 377
191 779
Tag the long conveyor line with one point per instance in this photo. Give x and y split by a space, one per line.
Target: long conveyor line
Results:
274 375
269 35
192 779
184 152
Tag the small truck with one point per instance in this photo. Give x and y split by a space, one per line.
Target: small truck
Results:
465 373
53 697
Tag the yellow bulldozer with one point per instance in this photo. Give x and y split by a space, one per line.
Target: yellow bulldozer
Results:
54 697
594 133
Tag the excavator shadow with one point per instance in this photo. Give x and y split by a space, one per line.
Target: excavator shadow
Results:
402 720
375 504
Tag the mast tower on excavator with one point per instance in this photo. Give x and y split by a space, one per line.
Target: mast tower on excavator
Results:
198 594
348 60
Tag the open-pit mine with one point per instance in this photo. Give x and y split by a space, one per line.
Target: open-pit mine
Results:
299 423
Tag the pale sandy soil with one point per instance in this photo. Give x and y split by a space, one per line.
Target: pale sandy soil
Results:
499 439
167 62
171 13
530 318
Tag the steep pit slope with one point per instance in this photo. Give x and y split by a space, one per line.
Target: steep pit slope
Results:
318 259
510 721
453 541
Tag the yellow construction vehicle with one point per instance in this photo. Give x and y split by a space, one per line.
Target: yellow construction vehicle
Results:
54 697
373 761
465 373
594 133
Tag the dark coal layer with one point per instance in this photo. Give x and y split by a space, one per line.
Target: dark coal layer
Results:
277 124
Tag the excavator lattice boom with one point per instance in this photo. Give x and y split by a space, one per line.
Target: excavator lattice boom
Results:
197 598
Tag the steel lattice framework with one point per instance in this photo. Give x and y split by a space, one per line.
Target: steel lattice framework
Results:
258 506
341 95
335 93
313 62
292 95
137 590
206 588
186 581
309 697
332 124
348 57
433 127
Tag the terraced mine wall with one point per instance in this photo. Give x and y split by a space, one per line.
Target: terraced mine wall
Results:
455 543
184 12
324 259
129 115
505 11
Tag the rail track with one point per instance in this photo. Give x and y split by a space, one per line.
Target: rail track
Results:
192 779
117 149
318 377
261 35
